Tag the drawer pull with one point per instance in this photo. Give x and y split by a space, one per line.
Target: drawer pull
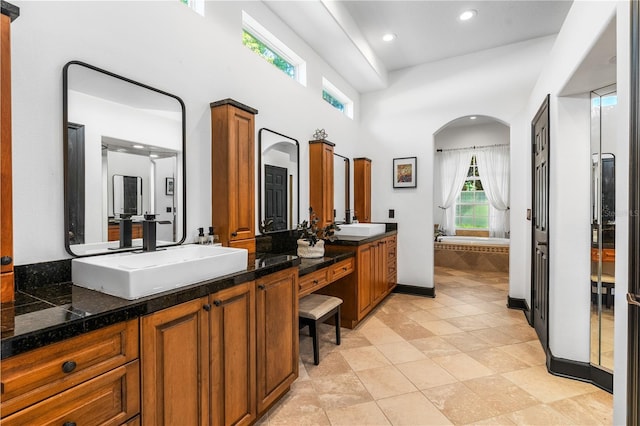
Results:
6 260
315 282
217 302
69 424
344 268
206 307
261 286
69 366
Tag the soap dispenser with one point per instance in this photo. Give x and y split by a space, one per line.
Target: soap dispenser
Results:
212 238
202 239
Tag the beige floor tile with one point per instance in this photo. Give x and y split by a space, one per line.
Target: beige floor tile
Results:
497 360
426 303
495 336
546 387
300 406
330 364
462 366
434 346
447 312
532 354
591 409
412 409
371 322
459 403
539 415
381 335
466 342
424 315
412 330
470 323
400 352
385 382
501 394
425 374
470 309
340 391
494 421
365 358
362 414
352 340
440 327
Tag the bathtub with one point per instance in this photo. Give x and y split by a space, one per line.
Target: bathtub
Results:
472 253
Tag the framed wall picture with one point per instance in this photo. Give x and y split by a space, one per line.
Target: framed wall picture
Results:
168 186
404 172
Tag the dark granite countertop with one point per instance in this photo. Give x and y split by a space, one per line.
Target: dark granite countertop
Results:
345 240
308 266
54 312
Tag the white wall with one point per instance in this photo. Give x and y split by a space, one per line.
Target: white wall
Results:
463 137
401 121
168 46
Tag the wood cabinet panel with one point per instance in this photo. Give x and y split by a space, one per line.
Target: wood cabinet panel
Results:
113 231
175 365
277 335
309 283
362 189
321 180
33 376
233 348
6 182
109 399
232 170
341 269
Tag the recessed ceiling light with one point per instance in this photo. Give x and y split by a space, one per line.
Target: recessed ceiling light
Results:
467 14
389 37
138 146
473 117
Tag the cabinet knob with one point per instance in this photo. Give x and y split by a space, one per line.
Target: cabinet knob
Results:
344 268
217 302
6 260
315 282
69 366
261 286
207 307
69 424
234 234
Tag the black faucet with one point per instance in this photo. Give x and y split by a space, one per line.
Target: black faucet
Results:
126 230
149 232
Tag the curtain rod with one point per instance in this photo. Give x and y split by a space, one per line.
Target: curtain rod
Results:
472 147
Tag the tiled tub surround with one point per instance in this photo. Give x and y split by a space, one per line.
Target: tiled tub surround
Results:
472 256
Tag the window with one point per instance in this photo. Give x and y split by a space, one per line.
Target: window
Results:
266 45
336 98
472 207
196 5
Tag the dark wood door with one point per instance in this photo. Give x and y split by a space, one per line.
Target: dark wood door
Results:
540 237
275 192
75 183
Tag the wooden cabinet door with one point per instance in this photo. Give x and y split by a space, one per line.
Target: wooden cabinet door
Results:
366 277
175 365
362 189
233 348
380 285
6 200
321 180
277 335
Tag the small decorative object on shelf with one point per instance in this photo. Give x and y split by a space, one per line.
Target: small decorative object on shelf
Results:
320 134
311 237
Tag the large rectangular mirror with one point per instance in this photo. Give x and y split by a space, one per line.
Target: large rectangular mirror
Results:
342 189
278 181
124 146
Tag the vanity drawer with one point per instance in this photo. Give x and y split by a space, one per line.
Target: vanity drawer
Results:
109 399
308 283
341 269
36 375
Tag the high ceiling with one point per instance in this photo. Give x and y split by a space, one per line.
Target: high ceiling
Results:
348 34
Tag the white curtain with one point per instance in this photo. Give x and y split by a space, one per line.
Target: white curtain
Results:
493 168
454 166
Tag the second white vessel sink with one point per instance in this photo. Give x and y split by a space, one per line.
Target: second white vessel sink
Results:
133 275
361 229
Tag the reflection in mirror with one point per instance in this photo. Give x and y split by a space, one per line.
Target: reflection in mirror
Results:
124 141
127 195
603 223
341 190
278 180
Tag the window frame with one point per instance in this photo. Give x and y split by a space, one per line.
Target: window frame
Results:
338 95
472 175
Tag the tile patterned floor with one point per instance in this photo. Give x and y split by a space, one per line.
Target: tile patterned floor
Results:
461 358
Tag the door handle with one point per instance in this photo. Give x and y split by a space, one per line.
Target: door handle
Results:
632 300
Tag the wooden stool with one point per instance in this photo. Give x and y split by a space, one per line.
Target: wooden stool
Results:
315 309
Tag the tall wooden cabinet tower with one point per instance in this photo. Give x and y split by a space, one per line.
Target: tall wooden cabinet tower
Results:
362 189
232 172
9 13
321 180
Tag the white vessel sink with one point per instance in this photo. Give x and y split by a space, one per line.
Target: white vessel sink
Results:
134 275
361 229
